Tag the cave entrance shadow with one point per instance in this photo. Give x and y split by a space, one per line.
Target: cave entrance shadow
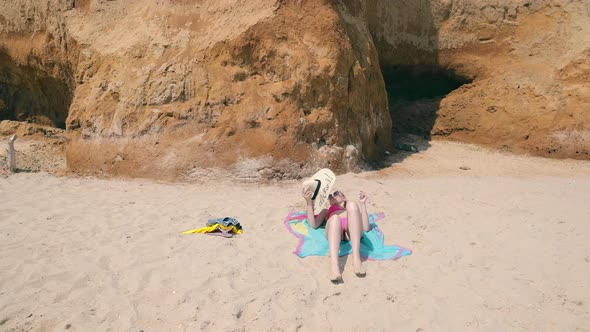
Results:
29 93
406 36
414 93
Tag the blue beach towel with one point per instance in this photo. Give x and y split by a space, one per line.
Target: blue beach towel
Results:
313 242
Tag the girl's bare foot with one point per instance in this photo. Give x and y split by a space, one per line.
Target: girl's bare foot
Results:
335 275
359 269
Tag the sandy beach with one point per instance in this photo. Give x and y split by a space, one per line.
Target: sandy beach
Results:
124 124
500 245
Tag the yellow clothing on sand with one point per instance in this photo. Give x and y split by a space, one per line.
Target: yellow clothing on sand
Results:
214 227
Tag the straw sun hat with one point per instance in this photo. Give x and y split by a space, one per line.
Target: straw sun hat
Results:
320 184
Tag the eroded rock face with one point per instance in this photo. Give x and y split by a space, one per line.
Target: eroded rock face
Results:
527 60
271 88
36 75
162 88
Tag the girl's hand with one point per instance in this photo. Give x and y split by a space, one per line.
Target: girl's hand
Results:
362 197
307 195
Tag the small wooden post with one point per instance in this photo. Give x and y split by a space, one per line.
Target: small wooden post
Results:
11 154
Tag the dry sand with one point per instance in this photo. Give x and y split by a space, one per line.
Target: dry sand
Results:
503 246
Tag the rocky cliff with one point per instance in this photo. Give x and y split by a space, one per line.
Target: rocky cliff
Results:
523 68
273 89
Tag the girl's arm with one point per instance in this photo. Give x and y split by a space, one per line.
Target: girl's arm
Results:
313 220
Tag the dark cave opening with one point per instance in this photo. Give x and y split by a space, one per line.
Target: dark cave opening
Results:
29 93
415 93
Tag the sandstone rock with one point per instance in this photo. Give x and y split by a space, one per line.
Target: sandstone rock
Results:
293 85
522 102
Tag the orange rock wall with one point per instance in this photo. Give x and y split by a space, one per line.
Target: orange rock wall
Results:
275 89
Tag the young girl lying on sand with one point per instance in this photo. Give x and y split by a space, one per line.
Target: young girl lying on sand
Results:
344 221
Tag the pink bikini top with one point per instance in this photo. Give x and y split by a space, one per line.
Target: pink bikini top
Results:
333 209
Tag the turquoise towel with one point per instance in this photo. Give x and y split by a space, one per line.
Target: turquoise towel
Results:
313 242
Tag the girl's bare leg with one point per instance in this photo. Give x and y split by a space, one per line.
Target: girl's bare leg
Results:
334 233
355 230
365 217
